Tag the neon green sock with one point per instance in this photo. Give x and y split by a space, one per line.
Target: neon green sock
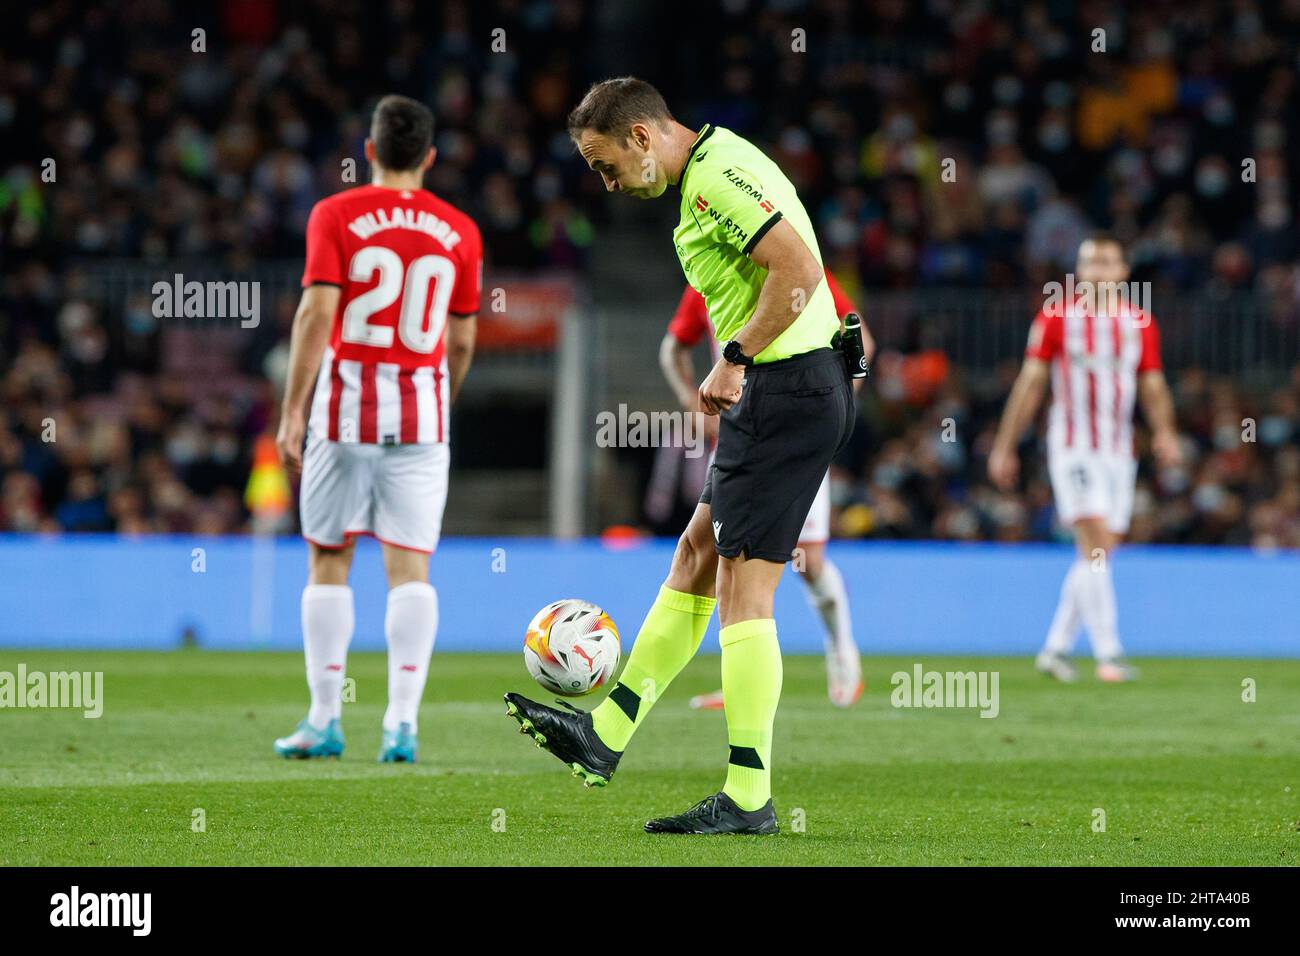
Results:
751 689
668 639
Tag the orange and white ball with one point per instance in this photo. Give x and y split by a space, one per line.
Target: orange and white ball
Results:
571 647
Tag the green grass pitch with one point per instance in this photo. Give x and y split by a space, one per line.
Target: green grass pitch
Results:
1185 771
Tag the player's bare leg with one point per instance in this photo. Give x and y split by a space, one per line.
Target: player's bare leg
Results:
829 598
746 588
695 561
410 627
695 571
329 565
327 624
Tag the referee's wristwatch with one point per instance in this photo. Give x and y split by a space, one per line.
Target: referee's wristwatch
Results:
734 354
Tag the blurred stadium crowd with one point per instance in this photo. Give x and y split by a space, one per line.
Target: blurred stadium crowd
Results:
162 154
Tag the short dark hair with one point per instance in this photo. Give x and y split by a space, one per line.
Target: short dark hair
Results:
612 106
402 130
1101 237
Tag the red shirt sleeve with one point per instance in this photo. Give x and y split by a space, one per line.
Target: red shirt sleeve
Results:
469 277
1150 360
1046 336
691 320
843 304
324 248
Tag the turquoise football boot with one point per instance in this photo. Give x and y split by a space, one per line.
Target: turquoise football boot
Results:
308 741
399 745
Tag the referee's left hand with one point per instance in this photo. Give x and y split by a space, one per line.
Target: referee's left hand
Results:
721 389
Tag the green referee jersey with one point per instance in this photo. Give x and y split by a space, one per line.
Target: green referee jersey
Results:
732 195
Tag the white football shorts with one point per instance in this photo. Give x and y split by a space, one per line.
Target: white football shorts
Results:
1093 486
396 493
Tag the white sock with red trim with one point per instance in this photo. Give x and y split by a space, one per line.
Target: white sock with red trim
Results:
830 599
1096 594
410 627
327 622
1065 622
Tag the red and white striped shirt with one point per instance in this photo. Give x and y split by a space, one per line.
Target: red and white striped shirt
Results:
1095 361
405 261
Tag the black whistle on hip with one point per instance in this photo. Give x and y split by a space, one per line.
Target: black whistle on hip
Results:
855 356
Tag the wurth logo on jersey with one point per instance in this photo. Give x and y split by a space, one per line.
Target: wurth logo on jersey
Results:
742 184
728 224
766 205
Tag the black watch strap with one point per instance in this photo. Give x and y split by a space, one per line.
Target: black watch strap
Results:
734 354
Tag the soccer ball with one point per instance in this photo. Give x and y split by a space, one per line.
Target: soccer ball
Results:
571 647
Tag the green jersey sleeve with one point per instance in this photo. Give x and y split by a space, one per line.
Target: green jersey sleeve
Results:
731 196
733 206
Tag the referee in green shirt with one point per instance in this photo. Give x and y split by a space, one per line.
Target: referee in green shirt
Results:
783 393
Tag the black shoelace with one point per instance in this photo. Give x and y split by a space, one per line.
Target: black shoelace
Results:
708 807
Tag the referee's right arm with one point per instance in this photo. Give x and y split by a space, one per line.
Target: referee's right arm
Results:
793 274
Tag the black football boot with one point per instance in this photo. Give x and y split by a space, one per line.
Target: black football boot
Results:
569 736
719 814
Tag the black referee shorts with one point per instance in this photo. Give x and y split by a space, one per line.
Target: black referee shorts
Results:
774 446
